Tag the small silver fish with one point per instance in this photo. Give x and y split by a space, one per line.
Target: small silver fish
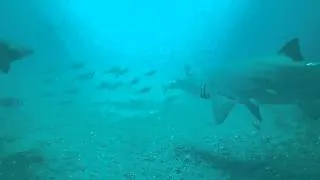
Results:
144 90
135 81
85 76
10 102
150 73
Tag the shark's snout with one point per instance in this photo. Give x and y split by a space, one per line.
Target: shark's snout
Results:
168 86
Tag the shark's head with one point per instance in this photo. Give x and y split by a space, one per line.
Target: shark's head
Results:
171 85
188 85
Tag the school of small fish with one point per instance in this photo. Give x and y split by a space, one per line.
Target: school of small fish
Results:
110 80
113 78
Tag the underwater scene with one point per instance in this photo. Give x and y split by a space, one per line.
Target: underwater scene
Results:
159 90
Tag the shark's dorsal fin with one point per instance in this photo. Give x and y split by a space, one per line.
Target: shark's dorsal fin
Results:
292 50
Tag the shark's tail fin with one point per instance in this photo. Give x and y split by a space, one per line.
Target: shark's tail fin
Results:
19 53
26 52
5 67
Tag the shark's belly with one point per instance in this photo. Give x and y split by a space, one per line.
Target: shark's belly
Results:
268 97
278 86
243 90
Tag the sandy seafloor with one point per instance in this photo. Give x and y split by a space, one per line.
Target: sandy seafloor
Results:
175 140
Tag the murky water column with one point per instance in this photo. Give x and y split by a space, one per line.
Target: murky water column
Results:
162 34
266 25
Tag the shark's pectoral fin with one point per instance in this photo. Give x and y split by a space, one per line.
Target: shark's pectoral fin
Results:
310 108
5 67
292 50
254 109
221 109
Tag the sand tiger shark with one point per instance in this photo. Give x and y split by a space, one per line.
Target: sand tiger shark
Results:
279 79
9 54
283 78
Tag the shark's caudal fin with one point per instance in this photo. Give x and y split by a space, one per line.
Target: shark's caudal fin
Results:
5 67
221 108
292 50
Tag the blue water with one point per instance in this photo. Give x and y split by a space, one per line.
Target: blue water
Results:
90 103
